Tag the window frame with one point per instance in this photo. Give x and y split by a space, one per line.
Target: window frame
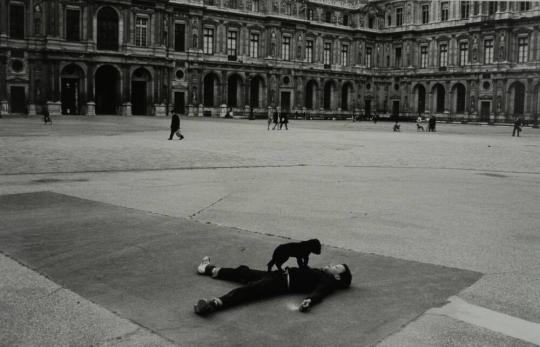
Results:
140 30
443 54
68 29
254 44
424 56
425 13
16 24
399 16
445 11
523 49
488 58
310 43
345 54
327 53
232 40
463 53
208 39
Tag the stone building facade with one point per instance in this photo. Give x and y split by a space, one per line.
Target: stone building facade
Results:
461 60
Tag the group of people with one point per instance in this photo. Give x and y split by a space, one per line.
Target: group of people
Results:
280 118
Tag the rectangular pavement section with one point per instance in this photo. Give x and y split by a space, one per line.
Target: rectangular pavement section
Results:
142 266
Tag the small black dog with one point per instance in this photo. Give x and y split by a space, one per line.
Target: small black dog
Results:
299 250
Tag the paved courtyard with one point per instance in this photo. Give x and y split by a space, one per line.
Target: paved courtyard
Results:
442 230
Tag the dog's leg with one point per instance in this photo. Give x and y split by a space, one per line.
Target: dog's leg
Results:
270 264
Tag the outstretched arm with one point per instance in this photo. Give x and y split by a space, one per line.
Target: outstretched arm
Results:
322 291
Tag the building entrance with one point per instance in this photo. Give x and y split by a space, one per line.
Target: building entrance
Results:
367 108
106 90
18 100
395 109
179 102
485 107
138 98
285 101
70 95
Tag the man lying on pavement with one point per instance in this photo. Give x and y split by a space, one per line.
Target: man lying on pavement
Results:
258 284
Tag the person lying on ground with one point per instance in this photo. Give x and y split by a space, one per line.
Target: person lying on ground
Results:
258 284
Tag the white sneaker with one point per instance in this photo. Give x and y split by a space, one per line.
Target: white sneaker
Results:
201 269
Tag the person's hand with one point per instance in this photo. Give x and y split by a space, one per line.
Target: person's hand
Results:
305 305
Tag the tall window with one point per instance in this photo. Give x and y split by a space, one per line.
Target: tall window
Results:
310 14
463 53
328 17
389 20
16 21
107 29
179 37
73 25
344 54
444 11
255 6
398 56
425 14
286 48
327 53
309 51
254 45
488 52
368 56
208 40
232 43
141 28
523 49
399 16
233 4
346 20
443 55
424 56
524 5
465 9
492 7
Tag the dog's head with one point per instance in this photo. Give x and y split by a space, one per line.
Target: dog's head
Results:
314 246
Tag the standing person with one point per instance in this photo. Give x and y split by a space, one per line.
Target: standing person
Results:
518 123
175 125
284 120
258 284
251 116
397 127
419 126
275 118
270 117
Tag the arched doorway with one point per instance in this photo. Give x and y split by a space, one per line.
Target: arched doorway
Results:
328 99
311 95
107 29
536 102
420 95
211 90
517 95
72 83
346 96
107 89
234 91
439 98
458 93
257 92
141 92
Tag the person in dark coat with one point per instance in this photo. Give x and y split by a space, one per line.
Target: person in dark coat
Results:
258 284
175 125
432 123
518 123
284 120
275 118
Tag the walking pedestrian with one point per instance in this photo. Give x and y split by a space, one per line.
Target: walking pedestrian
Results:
284 120
275 118
175 126
518 123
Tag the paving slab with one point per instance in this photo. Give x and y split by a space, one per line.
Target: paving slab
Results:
141 266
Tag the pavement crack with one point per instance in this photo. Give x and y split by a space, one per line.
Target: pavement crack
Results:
212 204
51 293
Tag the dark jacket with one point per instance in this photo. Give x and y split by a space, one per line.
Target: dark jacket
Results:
316 282
175 122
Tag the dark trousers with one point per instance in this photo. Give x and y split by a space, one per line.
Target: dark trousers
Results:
516 129
257 285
